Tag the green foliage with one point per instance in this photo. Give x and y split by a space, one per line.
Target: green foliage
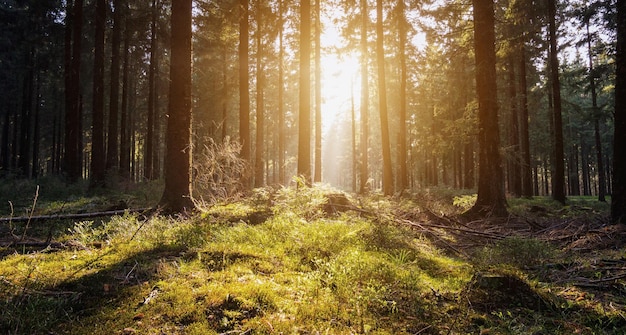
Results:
301 270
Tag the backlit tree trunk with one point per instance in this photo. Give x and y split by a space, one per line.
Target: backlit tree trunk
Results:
388 187
364 175
491 199
618 196
177 193
98 157
72 163
318 95
558 192
114 106
304 116
244 86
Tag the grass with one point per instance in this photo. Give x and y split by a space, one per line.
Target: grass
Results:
299 270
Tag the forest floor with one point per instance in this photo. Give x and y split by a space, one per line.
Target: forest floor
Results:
307 261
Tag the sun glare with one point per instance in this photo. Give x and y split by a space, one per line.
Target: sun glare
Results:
341 87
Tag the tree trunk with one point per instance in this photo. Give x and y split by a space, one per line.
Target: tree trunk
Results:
364 175
515 186
244 86
113 133
177 193
259 164
36 127
618 196
281 89
98 157
318 95
491 199
23 162
304 117
72 163
558 191
403 181
388 186
124 115
148 168
527 179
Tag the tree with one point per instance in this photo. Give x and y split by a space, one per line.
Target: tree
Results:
388 186
72 161
403 181
149 166
318 94
618 197
304 94
281 90
491 198
558 188
259 163
177 193
244 86
364 174
114 94
98 155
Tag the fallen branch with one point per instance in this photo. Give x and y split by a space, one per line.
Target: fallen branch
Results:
72 216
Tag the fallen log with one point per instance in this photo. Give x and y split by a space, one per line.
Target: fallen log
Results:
73 216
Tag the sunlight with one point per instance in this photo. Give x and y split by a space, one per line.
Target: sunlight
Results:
340 81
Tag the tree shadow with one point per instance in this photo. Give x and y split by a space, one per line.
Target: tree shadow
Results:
63 306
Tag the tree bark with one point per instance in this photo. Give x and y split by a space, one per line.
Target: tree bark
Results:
98 157
281 89
403 177
364 174
618 196
148 168
527 179
113 133
558 191
244 86
259 164
491 199
318 95
72 163
388 186
304 116
177 193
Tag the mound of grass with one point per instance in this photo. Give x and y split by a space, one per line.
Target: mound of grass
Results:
299 270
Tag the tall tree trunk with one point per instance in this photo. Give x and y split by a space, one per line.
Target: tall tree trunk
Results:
113 133
618 195
596 122
364 175
259 164
515 186
491 199
98 155
281 103
72 162
558 192
124 112
177 193
149 148
244 86
26 115
527 187
318 95
403 178
36 127
388 186
304 116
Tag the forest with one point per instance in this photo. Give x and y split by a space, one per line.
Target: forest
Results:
308 167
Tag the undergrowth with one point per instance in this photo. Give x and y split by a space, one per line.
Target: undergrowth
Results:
299 269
